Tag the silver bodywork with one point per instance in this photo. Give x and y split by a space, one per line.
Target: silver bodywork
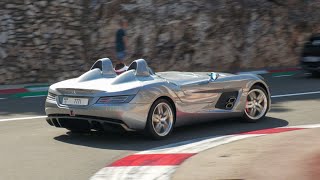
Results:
194 95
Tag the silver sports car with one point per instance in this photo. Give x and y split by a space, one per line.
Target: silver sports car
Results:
141 100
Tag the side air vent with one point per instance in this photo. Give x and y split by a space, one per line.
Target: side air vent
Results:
227 100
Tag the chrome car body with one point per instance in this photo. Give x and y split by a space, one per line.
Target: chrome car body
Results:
125 100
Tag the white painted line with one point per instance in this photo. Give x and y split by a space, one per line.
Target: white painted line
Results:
295 94
23 118
307 126
3 98
286 75
34 96
254 72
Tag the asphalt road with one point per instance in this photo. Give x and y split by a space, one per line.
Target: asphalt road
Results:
31 149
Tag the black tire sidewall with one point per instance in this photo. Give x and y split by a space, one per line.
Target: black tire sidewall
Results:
149 130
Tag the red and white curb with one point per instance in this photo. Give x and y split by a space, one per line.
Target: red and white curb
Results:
160 163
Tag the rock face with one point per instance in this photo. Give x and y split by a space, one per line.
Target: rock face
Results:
50 40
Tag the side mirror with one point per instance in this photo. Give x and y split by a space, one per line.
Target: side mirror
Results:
213 76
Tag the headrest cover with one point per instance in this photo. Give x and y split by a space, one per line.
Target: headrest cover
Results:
105 65
141 67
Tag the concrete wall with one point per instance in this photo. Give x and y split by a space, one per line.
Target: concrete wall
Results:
50 40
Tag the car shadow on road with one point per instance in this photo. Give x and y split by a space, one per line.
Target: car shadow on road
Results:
280 105
139 142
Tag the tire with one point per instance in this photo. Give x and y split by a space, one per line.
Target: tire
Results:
160 123
257 102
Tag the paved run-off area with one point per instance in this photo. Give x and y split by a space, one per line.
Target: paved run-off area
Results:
31 149
291 155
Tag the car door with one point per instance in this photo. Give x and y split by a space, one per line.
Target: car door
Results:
204 90
210 90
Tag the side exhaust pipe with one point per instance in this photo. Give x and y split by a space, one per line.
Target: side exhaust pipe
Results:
230 102
229 106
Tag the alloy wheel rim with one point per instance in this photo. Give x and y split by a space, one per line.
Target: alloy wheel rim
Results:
162 119
256 104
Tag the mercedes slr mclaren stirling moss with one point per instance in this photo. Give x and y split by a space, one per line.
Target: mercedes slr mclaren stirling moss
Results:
141 100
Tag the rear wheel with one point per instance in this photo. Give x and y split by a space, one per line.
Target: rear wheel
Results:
257 104
161 119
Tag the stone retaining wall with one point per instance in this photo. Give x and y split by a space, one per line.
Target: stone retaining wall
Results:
50 40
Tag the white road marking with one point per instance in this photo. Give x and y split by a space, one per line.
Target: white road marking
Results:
34 96
306 126
23 118
254 72
286 75
295 94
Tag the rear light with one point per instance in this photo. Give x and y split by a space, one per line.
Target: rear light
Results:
115 99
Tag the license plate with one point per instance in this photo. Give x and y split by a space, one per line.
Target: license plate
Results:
75 101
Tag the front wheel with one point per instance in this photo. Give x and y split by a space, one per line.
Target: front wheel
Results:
257 104
161 119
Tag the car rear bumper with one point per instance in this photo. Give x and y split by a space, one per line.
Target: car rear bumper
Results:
86 123
127 116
